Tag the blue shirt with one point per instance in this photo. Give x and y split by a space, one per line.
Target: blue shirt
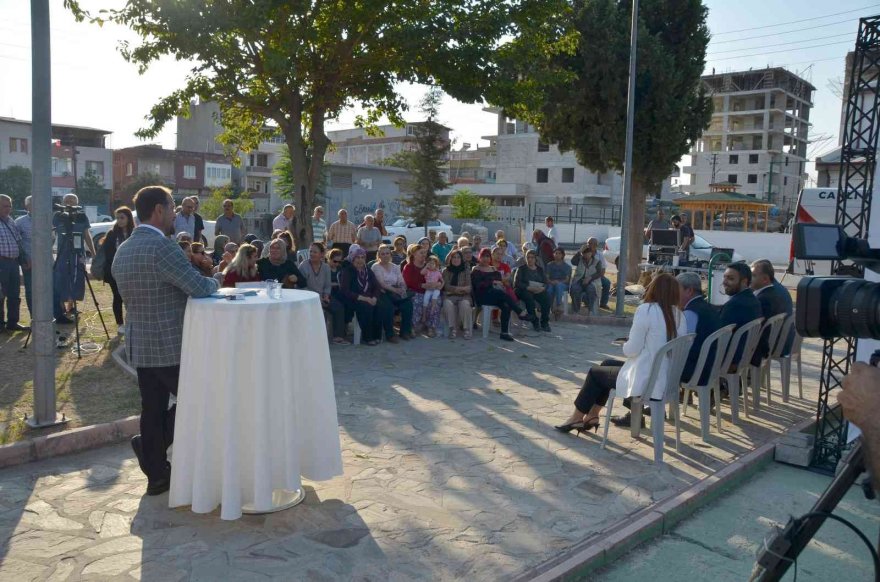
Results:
25 226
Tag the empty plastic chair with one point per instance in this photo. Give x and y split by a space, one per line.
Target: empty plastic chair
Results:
771 327
718 341
776 355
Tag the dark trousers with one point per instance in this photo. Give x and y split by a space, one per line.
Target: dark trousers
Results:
336 309
368 319
606 290
117 300
28 290
157 422
532 300
600 381
10 285
387 305
502 301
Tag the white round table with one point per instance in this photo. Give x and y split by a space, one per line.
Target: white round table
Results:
256 410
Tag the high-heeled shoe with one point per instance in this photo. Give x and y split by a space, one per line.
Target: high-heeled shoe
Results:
589 424
570 427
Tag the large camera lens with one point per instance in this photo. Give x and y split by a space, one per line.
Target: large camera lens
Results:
833 307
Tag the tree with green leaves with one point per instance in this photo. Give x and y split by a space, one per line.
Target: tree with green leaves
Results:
141 181
426 163
15 181
90 189
289 67
467 204
568 75
212 207
285 181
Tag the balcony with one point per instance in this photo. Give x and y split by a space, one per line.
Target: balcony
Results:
258 170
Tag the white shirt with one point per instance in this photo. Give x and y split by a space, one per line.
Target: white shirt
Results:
182 223
280 222
758 291
551 233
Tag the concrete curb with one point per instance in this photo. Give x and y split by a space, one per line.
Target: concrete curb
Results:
611 320
603 548
69 441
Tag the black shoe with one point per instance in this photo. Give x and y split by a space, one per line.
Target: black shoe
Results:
535 325
159 487
546 327
138 447
606 307
63 320
507 337
18 327
570 426
626 420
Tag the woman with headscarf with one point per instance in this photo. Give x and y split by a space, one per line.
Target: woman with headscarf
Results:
457 307
489 290
417 254
359 289
318 278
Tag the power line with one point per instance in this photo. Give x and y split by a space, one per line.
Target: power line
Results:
782 51
782 43
788 31
797 21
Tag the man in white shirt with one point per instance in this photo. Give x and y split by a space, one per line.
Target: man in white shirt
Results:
282 221
551 230
185 220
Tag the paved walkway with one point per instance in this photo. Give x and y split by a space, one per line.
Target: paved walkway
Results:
720 543
452 471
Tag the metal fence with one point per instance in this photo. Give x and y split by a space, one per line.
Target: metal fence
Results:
607 214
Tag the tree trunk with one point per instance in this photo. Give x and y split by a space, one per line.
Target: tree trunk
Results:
636 229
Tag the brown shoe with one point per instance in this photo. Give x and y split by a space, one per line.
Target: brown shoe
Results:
394 339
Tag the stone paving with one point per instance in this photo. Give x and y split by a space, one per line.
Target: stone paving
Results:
452 471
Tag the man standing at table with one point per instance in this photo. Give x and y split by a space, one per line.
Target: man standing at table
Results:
155 279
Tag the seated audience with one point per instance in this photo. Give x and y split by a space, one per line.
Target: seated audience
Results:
318 279
701 319
499 261
220 242
359 289
425 243
288 238
467 255
774 299
593 243
477 244
442 247
185 246
742 307
279 267
200 260
531 288
585 284
656 321
509 255
558 273
398 253
544 245
457 290
242 268
229 251
489 290
423 316
462 242
260 246
393 294
184 237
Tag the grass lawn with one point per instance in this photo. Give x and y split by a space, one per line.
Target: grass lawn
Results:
90 390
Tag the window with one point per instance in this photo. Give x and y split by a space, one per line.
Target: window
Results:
734 159
731 178
96 168
543 147
129 169
753 158
753 179
61 166
568 175
410 130
786 160
785 181
18 144
543 175
189 172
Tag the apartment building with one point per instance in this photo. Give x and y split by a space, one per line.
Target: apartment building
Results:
757 138
187 173
91 154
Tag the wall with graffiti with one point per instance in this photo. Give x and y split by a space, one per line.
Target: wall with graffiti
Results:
363 189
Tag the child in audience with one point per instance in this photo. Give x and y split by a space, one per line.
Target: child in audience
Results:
432 274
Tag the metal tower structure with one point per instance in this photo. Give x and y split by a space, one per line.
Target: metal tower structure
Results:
857 165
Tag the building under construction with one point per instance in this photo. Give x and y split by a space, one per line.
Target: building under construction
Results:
757 138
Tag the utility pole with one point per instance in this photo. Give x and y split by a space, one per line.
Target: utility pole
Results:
41 190
627 165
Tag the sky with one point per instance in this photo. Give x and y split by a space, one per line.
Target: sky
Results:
93 86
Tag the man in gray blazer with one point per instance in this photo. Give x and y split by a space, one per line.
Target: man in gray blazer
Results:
155 279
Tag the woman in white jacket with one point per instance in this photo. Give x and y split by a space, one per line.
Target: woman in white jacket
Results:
657 321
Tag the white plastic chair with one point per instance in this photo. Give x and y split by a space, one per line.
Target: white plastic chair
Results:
357 331
796 353
720 339
776 356
302 255
486 320
738 381
772 326
675 352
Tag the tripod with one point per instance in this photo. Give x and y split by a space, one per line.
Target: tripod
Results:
67 247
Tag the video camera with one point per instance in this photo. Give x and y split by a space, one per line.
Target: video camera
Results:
831 307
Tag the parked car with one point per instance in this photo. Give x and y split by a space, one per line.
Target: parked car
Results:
99 229
413 231
701 250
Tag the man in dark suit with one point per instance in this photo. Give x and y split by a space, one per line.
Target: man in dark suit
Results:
773 298
702 319
155 280
743 306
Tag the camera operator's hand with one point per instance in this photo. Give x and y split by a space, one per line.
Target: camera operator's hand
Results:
860 397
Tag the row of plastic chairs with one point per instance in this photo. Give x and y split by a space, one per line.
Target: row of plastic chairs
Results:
724 342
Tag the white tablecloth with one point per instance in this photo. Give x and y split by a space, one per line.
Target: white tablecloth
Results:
256 408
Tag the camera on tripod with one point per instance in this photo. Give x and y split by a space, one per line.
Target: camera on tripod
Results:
832 307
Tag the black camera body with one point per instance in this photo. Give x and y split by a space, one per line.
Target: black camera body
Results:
831 307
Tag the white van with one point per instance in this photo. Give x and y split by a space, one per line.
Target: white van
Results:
817 205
